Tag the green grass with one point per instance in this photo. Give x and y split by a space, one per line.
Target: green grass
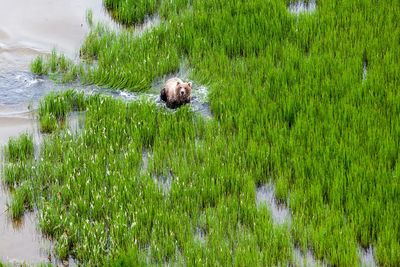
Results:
131 12
58 67
98 204
289 104
19 149
54 109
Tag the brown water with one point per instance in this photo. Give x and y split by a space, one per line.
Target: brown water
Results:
13 125
20 242
33 27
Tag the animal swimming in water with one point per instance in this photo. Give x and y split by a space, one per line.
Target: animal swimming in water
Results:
176 92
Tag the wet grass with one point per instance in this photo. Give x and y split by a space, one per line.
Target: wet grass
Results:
54 109
58 67
291 104
99 206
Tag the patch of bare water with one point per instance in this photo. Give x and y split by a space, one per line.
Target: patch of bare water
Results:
265 195
365 70
304 260
200 235
76 121
35 27
13 124
367 258
302 7
164 183
145 161
21 242
21 89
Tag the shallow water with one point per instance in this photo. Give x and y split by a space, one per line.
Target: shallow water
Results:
200 235
145 161
303 260
365 70
301 7
367 257
20 242
13 125
19 89
76 122
265 195
164 183
35 27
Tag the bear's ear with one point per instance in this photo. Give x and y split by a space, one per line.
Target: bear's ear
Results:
177 84
190 84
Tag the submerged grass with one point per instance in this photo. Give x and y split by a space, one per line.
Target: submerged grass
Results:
291 104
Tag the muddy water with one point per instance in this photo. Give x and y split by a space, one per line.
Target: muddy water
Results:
13 125
35 27
20 242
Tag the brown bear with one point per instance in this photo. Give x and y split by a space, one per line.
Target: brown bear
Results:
176 93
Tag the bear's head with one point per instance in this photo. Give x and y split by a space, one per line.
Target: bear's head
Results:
183 92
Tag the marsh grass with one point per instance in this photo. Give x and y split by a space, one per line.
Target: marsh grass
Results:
95 201
58 67
131 12
19 149
22 200
289 105
38 66
54 108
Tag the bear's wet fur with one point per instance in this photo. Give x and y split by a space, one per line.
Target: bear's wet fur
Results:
176 93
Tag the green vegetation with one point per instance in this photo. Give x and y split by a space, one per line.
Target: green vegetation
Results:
54 109
19 149
19 155
58 67
290 103
99 205
131 12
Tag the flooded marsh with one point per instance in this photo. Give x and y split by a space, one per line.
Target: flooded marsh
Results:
287 154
